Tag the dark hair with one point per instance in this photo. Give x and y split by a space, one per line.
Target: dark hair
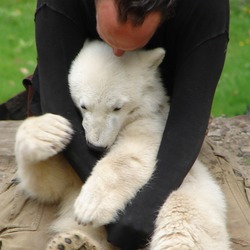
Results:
137 10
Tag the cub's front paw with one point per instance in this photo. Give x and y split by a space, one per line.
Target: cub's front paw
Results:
39 138
94 205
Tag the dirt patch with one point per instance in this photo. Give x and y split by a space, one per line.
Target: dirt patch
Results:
232 138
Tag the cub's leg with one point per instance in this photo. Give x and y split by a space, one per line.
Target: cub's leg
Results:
117 177
43 173
193 217
69 235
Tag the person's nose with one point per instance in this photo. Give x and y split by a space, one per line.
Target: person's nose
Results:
118 52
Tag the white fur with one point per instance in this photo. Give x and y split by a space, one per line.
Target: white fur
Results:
124 109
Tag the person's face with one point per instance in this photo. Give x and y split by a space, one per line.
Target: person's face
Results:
123 37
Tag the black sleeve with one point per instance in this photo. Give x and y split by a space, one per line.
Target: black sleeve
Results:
58 40
193 92
200 38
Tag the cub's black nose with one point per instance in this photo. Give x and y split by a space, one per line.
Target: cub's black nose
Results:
98 149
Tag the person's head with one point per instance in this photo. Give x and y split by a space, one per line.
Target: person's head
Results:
129 24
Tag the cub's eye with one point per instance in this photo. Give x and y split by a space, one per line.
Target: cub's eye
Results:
83 107
116 109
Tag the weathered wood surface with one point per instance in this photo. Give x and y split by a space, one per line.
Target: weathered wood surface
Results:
7 137
232 136
226 152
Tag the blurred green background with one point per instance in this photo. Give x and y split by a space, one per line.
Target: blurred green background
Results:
17 47
18 57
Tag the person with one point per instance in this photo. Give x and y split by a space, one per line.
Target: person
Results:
194 34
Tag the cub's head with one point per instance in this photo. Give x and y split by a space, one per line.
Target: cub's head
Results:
111 91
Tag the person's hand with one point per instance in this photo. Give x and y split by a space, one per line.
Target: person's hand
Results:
135 226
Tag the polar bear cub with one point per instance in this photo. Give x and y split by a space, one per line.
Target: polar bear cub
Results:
124 109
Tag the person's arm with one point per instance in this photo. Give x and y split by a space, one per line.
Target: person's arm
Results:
58 40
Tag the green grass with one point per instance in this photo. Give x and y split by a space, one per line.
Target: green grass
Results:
18 57
233 92
17 48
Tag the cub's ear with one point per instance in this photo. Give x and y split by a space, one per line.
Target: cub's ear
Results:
152 58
